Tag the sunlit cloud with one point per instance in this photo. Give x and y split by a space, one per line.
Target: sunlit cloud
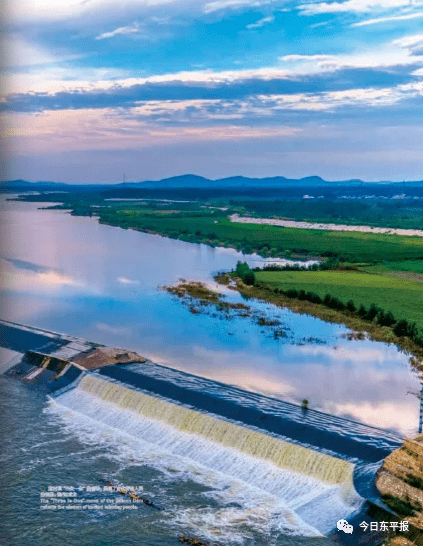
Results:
115 74
107 128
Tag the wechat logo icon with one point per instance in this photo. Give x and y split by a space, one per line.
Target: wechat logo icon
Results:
343 525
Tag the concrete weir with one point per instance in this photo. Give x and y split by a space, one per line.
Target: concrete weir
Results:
335 451
255 443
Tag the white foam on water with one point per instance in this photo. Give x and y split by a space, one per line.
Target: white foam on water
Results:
270 499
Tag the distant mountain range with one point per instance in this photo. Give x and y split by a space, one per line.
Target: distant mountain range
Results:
194 181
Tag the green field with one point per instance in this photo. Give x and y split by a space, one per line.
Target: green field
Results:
270 240
412 266
404 298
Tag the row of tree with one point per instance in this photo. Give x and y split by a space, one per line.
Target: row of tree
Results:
401 328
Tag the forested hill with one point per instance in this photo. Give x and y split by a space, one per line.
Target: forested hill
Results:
230 183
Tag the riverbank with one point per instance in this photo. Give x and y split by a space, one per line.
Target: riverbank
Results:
375 332
268 241
400 481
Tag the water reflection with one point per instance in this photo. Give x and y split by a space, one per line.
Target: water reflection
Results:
73 275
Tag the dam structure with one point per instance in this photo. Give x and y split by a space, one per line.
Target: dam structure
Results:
321 463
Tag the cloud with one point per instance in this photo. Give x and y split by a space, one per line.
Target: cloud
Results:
356 6
261 22
117 88
218 5
18 52
413 43
223 94
306 58
130 29
101 129
387 19
56 10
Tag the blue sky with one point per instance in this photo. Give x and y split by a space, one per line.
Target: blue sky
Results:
157 88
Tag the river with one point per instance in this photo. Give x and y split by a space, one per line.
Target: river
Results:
102 283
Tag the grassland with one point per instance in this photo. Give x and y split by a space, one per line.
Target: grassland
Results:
216 229
404 298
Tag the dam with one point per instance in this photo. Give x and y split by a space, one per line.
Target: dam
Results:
320 467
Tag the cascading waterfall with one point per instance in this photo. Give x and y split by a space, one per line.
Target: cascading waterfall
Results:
263 446
312 486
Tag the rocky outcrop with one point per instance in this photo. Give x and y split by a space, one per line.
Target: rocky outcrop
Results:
400 481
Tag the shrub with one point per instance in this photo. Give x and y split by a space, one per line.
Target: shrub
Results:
326 300
418 340
372 312
333 303
362 311
351 307
389 319
412 331
314 298
291 293
380 318
249 278
401 328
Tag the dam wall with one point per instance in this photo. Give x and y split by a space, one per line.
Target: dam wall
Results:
255 443
310 428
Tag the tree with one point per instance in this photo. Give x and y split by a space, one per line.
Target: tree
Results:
372 312
249 278
362 311
351 307
401 328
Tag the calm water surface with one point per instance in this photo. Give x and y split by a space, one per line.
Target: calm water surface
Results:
73 275
101 283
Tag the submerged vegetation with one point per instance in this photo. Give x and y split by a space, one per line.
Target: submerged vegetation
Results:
199 299
372 318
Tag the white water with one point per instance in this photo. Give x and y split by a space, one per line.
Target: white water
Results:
272 499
